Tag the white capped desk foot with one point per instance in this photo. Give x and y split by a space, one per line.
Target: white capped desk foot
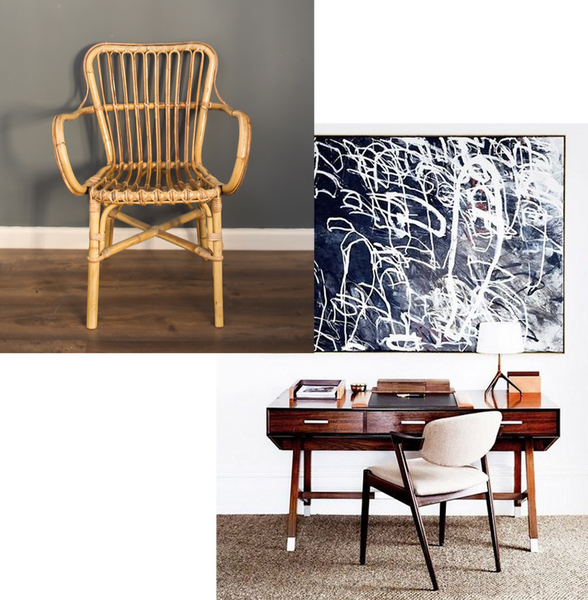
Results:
307 510
291 545
531 497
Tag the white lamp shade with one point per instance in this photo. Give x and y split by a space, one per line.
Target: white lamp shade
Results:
500 338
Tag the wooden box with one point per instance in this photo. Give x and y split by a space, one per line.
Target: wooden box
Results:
529 382
407 386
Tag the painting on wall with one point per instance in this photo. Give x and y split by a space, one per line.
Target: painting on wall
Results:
419 239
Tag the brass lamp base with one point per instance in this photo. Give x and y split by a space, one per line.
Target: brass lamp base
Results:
500 375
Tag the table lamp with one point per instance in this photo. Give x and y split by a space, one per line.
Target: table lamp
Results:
500 338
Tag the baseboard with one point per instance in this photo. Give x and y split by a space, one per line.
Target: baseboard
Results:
74 238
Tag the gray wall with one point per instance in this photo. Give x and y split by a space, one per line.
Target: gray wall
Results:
265 50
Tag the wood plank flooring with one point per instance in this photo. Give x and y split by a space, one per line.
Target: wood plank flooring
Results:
156 301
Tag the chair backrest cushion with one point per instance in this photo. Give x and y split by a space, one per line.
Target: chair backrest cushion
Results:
461 440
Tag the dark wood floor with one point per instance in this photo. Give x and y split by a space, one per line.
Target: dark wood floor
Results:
156 301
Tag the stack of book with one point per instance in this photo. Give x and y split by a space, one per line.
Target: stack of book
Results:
318 389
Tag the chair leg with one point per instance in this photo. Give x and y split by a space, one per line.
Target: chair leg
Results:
93 267
365 513
442 518
492 520
217 277
109 233
416 515
217 266
201 231
491 517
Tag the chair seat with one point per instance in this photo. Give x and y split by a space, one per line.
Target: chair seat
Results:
176 185
429 479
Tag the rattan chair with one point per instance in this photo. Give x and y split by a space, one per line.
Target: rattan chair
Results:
152 103
442 473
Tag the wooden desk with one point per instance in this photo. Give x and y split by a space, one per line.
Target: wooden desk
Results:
531 424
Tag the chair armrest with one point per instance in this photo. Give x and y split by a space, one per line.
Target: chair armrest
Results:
413 441
60 150
242 147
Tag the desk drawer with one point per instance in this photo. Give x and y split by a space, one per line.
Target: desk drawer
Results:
314 421
403 422
529 422
516 422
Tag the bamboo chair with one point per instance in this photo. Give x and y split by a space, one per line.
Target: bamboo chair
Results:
152 103
443 473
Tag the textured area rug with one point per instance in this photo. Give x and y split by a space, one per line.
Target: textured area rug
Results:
252 562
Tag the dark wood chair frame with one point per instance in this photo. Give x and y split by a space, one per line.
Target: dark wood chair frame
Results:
408 496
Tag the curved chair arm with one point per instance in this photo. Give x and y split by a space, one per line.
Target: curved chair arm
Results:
414 442
60 150
242 147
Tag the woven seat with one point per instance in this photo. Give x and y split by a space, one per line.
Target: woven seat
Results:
152 103
114 188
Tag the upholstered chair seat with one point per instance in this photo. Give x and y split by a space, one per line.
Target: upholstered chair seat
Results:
430 479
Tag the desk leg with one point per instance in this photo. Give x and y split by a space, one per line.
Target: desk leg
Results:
530 468
307 480
517 482
294 483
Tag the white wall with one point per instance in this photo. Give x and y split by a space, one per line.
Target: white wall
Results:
253 474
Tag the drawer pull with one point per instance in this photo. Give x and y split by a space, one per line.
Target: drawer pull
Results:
413 422
511 423
316 421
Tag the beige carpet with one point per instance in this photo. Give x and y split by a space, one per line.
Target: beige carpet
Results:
252 562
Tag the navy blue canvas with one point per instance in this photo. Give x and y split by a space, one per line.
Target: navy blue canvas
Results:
419 239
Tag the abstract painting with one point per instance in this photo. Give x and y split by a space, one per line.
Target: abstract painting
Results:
419 239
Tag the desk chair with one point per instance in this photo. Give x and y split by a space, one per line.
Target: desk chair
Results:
151 102
443 472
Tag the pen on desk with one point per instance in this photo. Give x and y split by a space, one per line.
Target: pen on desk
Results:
411 395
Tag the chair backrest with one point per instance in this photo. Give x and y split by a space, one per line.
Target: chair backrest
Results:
461 440
152 101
